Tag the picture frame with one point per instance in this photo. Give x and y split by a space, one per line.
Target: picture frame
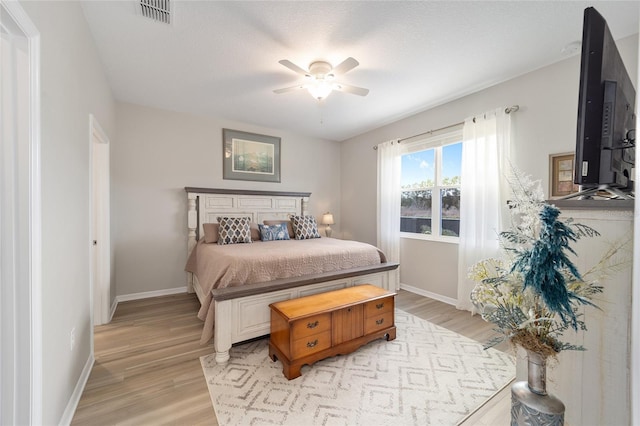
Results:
250 156
561 175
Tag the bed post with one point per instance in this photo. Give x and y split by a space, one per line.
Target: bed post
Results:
305 206
222 335
192 225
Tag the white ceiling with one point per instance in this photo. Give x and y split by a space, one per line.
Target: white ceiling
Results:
220 59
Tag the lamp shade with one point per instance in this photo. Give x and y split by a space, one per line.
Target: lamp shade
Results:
320 89
327 219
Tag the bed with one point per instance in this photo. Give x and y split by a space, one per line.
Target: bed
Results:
238 304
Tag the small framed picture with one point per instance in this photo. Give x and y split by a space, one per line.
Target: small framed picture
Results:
250 156
561 170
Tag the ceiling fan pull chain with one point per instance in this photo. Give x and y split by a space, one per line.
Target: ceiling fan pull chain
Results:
321 112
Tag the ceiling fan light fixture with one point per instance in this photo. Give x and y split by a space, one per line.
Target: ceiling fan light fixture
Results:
319 79
320 89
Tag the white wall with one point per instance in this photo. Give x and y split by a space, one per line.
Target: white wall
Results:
157 153
73 86
545 124
594 384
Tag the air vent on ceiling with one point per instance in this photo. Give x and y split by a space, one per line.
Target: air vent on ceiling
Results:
158 10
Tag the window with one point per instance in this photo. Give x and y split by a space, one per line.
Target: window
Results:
430 204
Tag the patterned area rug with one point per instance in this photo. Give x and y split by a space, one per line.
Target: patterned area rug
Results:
428 375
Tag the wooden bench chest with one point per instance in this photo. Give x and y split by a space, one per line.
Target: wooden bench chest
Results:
311 328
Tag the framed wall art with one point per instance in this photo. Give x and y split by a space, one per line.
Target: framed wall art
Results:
250 156
561 169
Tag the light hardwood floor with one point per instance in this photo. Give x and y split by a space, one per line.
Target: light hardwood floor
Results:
147 369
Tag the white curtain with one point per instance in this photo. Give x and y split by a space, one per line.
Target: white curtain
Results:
389 194
485 160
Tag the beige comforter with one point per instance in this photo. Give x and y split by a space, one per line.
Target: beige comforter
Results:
220 266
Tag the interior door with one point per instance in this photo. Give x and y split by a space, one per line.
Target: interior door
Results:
100 244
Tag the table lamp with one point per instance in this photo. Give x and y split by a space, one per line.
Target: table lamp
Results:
327 219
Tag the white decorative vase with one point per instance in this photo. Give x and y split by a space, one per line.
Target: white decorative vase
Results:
530 403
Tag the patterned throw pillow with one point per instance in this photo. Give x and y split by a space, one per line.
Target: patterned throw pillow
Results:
234 230
286 222
274 232
305 227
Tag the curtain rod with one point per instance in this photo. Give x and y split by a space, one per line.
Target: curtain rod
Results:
432 131
508 110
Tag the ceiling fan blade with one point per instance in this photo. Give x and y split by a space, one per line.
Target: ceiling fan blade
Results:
360 91
345 66
288 89
293 67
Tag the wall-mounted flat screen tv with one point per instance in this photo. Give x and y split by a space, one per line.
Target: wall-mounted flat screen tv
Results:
605 144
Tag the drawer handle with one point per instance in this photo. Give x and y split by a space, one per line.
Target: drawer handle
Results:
380 321
312 344
313 324
380 305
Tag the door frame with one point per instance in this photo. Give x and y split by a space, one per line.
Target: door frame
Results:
23 343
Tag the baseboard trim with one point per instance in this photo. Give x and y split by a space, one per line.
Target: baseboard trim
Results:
70 410
425 293
114 306
148 294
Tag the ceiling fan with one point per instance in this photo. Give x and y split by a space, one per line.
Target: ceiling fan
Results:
319 80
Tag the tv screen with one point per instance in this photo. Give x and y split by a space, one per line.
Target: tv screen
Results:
605 149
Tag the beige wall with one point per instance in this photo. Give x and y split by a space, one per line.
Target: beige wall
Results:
439 282
73 86
158 153
545 124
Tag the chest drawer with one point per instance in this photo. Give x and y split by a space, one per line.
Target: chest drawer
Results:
378 307
310 326
379 322
311 344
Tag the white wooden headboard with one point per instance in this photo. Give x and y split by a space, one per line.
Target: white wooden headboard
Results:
205 205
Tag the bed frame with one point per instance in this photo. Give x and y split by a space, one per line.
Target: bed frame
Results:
242 313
